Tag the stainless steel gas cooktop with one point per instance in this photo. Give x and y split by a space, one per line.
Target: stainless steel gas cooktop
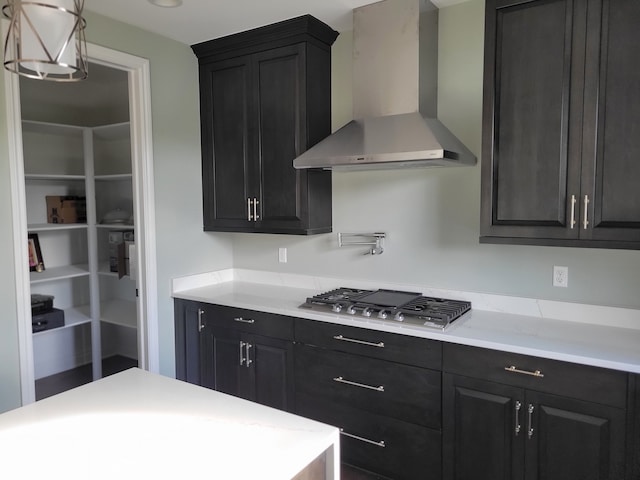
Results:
408 307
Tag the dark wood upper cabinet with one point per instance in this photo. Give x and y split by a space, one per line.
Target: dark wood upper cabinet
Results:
265 98
561 123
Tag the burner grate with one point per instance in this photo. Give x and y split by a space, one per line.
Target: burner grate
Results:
437 307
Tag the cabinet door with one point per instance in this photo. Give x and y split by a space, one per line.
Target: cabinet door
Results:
281 112
270 372
483 426
573 440
187 338
532 118
612 115
223 361
227 130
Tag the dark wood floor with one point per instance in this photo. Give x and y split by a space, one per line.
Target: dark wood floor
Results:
61 382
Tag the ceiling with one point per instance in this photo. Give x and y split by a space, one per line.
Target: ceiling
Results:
200 20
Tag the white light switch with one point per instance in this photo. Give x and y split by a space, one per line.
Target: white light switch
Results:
282 255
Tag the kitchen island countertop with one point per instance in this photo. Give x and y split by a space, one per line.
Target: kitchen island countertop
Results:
136 425
605 345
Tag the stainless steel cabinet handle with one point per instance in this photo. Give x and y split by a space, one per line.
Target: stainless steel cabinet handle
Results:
361 342
585 221
244 320
249 217
530 428
362 439
573 211
517 417
361 385
513 369
200 322
242 358
256 217
248 360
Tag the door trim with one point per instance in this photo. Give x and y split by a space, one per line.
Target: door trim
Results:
144 211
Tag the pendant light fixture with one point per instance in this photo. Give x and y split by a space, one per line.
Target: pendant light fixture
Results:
46 39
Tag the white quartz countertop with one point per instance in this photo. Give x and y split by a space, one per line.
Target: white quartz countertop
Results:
138 425
573 341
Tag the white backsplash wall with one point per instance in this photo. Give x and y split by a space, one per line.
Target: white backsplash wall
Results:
431 216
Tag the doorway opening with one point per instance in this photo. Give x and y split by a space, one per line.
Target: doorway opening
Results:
83 186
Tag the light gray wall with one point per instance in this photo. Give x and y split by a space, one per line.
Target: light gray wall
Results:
431 216
9 359
182 247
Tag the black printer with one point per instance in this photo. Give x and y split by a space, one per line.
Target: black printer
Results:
43 315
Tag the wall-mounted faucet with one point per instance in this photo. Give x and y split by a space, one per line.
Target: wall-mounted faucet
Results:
375 240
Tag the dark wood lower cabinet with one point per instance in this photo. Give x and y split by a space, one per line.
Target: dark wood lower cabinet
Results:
417 409
239 352
494 431
479 435
374 386
633 457
187 316
386 446
249 366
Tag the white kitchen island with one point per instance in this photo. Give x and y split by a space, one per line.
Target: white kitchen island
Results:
138 425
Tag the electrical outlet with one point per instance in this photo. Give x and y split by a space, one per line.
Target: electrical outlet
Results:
282 255
560 276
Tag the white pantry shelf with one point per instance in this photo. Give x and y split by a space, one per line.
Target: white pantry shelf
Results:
49 227
59 273
73 317
52 176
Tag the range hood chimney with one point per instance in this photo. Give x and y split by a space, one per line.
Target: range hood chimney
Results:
395 71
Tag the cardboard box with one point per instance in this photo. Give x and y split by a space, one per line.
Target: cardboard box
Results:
66 209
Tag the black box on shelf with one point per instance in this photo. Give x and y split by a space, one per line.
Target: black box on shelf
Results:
48 320
41 303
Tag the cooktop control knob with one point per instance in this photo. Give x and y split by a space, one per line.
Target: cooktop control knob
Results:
351 310
399 316
383 314
336 307
367 312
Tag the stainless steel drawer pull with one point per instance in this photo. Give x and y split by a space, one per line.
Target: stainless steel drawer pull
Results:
200 322
242 358
362 439
244 320
256 217
517 417
585 221
530 429
248 360
361 342
513 369
361 385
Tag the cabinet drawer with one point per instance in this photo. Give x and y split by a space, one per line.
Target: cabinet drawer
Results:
386 446
404 392
595 384
250 321
372 343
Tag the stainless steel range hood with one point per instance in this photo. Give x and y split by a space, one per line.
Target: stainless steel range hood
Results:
395 54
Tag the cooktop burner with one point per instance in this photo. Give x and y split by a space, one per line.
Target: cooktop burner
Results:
408 307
